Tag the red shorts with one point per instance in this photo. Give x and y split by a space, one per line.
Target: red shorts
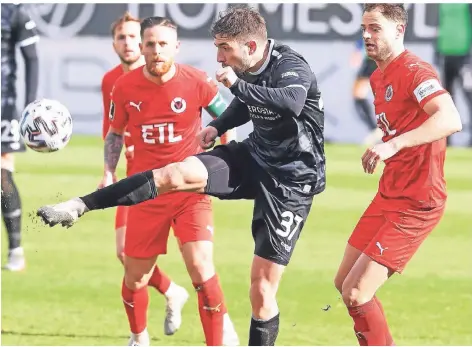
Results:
391 237
121 215
190 216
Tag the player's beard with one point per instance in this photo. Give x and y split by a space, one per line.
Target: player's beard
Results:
242 68
161 70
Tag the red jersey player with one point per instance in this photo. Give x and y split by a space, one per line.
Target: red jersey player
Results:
126 38
416 115
160 105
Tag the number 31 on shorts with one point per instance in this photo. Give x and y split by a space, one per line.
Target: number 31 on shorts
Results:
287 223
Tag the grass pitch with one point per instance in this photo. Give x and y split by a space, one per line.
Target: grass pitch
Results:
70 292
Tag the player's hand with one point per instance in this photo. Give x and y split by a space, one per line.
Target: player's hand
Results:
374 155
129 153
206 138
108 179
227 76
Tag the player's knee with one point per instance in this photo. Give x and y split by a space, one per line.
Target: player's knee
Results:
138 272
135 280
353 297
179 175
7 182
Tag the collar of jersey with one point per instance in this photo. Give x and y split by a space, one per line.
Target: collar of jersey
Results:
395 63
269 55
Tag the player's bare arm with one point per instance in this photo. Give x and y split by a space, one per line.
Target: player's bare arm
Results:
113 146
289 94
444 121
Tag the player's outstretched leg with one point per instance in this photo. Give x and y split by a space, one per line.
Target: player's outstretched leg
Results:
265 279
217 326
11 212
189 175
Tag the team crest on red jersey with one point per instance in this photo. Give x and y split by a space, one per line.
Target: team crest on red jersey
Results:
389 93
178 105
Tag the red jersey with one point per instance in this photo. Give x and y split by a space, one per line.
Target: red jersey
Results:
108 82
414 176
163 120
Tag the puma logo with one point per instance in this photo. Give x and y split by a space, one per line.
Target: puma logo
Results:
212 309
380 247
130 304
138 106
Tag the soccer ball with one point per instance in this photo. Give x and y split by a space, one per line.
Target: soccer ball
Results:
46 125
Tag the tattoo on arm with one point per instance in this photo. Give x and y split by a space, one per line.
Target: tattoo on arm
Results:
113 146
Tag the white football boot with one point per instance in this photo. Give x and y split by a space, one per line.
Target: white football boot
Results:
64 213
176 297
16 260
230 336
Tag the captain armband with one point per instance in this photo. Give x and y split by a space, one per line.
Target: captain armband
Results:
216 106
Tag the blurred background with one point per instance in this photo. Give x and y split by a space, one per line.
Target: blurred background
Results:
76 50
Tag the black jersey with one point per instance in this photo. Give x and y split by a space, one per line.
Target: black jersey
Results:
284 103
17 30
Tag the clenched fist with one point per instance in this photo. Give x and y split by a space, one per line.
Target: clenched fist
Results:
206 138
227 76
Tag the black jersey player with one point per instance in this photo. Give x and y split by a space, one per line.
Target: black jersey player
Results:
281 166
18 30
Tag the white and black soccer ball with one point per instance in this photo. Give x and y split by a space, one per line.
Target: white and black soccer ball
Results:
46 125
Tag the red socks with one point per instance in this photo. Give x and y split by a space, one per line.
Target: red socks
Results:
212 309
370 325
159 280
388 335
136 304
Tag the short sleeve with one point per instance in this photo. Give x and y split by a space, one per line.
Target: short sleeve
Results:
117 115
425 85
208 90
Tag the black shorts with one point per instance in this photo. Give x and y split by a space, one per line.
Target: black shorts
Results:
367 68
279 213
11 138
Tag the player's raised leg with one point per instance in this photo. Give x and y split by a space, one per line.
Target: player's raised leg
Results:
188 175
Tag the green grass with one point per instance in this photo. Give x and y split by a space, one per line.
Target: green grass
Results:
70 292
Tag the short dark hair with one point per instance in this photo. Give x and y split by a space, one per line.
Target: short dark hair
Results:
240 23
126 17
394 12
151 22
